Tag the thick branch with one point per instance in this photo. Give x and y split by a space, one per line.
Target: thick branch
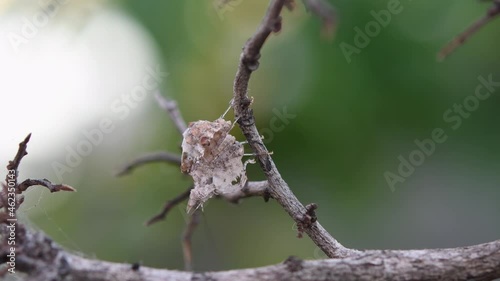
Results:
43 260
278 188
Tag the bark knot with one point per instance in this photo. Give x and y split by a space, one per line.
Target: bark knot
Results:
293 264
307 219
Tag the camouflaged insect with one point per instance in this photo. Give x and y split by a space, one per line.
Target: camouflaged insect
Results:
213 158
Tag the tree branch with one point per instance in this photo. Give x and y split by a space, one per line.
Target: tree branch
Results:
492 12
43 260
252 188
12 178
170 106
12 171
168 206
325 12
187 236
278 188
21 152
161 156
43 182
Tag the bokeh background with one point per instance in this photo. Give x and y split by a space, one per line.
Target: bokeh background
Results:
352 121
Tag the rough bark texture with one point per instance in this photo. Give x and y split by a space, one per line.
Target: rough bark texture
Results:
45 261
279 190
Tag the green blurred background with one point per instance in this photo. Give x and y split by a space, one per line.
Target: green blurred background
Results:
352 122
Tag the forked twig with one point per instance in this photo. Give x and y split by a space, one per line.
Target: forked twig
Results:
251 188
20 188
44 260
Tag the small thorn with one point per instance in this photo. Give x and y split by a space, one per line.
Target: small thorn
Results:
67 188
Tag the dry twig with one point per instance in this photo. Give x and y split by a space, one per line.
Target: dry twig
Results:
251 188
492 13
165 157
278 188
21 152
187 237
170 106
20 188
325 12
43 182
44 260
169 205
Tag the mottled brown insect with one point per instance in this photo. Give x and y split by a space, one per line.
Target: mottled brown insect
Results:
213 158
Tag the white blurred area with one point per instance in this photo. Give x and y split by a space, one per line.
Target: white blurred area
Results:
66 76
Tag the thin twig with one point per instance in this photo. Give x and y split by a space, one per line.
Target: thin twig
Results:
12 171
290 4
169 205
161 156
278 188
21 152
187 237
42 182
325 12
173 111
251 189
493 12
20 188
